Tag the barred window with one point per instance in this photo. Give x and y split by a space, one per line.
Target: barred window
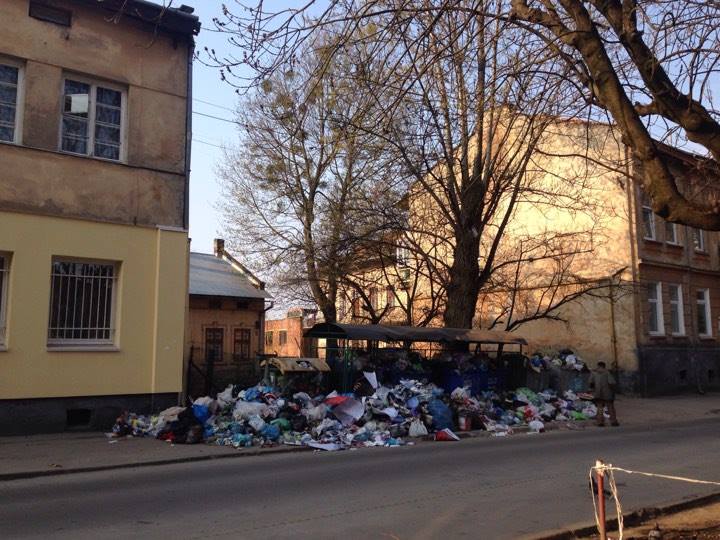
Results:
4 271
82 303
282 337
268 338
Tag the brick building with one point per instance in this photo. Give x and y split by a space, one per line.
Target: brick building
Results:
284 337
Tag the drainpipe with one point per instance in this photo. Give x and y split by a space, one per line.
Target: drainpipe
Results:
613 332
188 134
632 213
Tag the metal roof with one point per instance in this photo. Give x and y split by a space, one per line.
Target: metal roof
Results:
391 333
213 276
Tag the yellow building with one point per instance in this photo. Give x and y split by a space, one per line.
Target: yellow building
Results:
94 144
652 311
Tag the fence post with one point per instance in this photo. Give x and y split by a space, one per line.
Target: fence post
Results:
601 498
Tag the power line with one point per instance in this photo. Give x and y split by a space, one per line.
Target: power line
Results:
209 144
213 104
217 118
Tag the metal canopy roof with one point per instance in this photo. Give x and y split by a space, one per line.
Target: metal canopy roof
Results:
390 333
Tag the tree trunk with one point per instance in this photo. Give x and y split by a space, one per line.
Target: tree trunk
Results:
463 286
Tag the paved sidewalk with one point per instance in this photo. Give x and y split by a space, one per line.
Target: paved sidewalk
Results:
39 455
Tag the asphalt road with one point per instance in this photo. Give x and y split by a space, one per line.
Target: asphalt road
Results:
478 488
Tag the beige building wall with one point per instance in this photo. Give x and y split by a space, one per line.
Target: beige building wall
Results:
147 186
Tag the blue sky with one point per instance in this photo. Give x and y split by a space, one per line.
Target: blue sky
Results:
208 133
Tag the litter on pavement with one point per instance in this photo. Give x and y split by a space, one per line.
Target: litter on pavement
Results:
263 416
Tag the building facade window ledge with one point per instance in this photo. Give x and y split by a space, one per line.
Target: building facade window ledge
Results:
83 348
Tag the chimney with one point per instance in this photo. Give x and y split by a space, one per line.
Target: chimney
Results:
219 247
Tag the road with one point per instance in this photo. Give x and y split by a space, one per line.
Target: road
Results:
477 488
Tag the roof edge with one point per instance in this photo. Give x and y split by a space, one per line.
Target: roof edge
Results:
176 21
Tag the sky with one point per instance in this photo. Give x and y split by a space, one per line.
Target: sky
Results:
211 96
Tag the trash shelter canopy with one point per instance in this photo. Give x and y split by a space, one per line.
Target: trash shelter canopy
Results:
391 333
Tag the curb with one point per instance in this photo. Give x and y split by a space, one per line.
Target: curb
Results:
630 519
24 475
6 477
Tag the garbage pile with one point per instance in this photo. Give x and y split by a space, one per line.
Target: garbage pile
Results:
387 416
565 359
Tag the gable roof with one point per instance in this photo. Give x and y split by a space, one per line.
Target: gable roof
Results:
214 276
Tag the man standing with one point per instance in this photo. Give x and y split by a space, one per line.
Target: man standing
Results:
603 385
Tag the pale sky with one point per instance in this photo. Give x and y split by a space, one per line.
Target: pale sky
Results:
208 133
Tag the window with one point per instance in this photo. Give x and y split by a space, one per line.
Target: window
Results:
268 338
656 324
648 219
374 299
356 306
241 346
390 293
677 315
92 120
4 272
402 255
698 236
282 337
82 303
214 338
671 236
703 312
10 83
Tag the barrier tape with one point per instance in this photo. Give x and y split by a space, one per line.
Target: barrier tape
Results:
608 470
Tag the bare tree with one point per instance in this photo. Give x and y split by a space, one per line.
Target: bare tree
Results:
650 64
299 189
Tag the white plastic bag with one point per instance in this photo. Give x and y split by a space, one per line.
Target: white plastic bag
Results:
417 428
245 409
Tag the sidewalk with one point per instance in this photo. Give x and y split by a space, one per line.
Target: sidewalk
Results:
39 455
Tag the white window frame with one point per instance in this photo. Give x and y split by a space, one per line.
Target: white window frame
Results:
657 305
701 235
705 304
59 343
653 229
674 228
94 83
19 98
677 304
4 289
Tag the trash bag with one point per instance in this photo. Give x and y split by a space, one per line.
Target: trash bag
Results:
282 423
201 412
270 432
256 423
315 414
536 426
299 422
460 394
442 415
417 428
244 410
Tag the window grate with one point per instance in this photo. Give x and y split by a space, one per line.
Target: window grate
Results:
82 302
